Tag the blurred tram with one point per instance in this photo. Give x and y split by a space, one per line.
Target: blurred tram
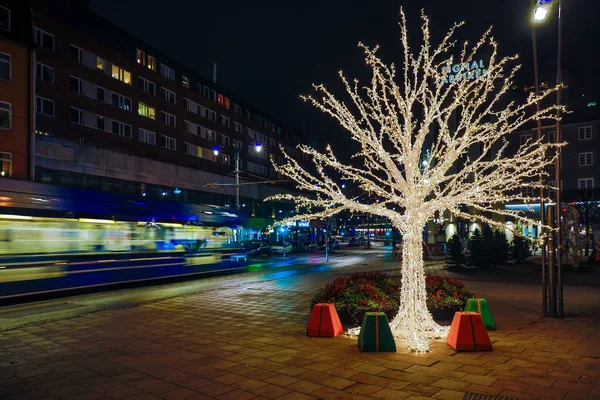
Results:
56 238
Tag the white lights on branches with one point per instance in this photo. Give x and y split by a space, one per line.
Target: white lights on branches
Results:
391 119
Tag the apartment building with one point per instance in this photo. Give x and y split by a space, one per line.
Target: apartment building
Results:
114 113
16 91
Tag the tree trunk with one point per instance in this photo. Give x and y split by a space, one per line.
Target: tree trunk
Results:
414 321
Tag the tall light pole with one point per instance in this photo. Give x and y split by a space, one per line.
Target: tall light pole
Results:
542 205
541 11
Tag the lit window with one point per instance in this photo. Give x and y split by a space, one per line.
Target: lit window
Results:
4 18
146 85
5 115
167 119
146 136
140 57
44 39
185 81
121 74
585 183
585 133
151 63
146 111
5 66
5 164
44 106
167 95
167 72
76 115
167 142
207 133
586 159
44 73
101 63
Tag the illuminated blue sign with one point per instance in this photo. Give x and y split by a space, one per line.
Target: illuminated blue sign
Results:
299 224
458 72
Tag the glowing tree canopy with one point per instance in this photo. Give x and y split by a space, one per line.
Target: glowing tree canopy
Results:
400 117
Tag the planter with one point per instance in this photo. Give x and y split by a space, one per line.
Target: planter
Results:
445 314
347 319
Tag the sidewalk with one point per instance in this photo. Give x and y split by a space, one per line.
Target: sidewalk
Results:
248 342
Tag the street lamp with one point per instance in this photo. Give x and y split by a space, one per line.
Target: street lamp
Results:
236 155
540 12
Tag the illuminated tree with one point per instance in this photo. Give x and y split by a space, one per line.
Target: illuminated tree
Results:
416 162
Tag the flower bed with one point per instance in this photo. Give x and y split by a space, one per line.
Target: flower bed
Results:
445 296
362 292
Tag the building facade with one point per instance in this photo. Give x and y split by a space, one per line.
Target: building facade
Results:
113 113
16 90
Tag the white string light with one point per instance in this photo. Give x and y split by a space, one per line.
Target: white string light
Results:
392 119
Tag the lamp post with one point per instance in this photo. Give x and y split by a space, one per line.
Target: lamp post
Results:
236 157
540 13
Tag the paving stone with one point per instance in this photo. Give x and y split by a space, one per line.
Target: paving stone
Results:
255 346
450 384
271 391
304 386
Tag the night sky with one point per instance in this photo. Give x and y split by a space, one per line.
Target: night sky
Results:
270 52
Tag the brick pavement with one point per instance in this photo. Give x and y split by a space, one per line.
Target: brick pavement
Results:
248 342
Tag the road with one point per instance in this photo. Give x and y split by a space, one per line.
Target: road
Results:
261 270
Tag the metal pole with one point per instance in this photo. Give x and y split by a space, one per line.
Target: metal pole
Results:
551 264
236 155
559 285
542 208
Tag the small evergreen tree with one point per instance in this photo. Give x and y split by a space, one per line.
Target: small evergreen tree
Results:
501 247
520 249
477 257
455 255
488 254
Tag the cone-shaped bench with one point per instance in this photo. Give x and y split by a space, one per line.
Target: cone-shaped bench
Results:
375 333
481 307
324 321
467 333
